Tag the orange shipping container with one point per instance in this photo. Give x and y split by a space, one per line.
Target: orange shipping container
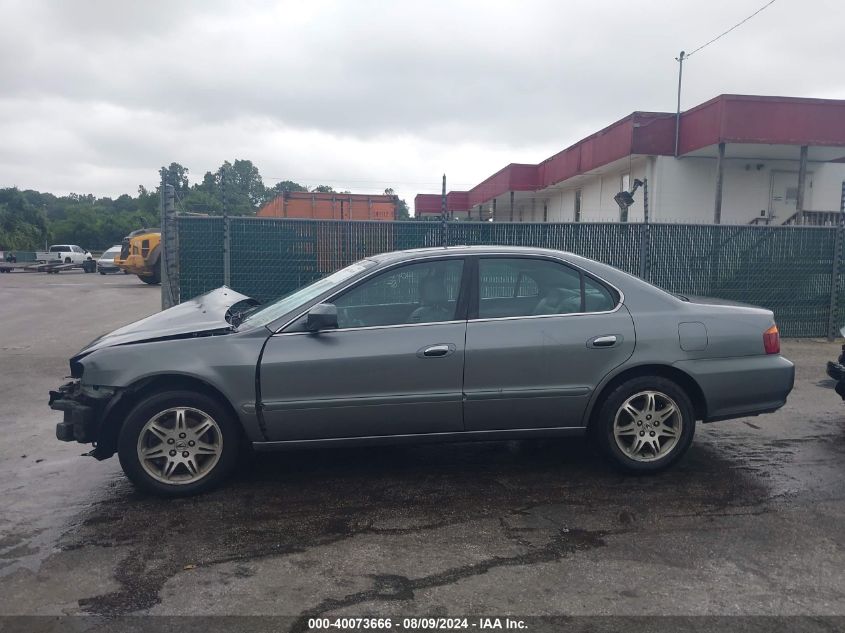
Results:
331 206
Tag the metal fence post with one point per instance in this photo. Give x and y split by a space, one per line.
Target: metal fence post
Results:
444 222
169 260
836 270
645 237
227 251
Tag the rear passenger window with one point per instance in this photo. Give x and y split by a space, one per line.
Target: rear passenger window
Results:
597 298
514 287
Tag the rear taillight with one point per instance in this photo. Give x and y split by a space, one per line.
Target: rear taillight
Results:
771 340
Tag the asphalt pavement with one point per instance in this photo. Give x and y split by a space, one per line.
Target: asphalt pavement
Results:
751 522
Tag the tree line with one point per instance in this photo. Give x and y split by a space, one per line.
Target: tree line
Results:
31 219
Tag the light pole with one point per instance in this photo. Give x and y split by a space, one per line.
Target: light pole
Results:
680 60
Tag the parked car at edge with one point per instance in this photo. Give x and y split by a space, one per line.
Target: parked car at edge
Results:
836 369
445 344
65 253
105 264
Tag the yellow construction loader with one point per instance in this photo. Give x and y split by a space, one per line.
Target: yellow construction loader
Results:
140 254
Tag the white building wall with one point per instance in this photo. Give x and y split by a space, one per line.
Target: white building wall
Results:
827 186
597 191
683 190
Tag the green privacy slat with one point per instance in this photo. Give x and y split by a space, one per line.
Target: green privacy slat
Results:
200 245
785 269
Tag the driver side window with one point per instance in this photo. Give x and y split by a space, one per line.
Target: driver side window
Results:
417 293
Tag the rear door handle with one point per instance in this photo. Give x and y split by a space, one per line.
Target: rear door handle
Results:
436 351
604 341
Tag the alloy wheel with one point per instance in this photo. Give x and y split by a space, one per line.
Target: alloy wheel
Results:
648 426
180 445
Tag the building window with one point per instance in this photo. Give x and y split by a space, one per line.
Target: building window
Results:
577 214
545 211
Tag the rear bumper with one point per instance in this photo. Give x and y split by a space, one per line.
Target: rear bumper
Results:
742 386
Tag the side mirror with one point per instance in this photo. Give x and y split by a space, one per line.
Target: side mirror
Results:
322 316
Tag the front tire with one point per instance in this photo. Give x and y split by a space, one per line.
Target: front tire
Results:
646 424
153 279
178 443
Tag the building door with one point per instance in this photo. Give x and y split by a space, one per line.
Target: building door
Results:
783 195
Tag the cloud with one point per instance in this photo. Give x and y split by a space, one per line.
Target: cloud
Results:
96 95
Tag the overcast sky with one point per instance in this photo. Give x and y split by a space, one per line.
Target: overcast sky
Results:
96 95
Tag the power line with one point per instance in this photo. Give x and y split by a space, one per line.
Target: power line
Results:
738 24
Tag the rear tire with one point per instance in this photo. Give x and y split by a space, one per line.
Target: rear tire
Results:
178 443
645 424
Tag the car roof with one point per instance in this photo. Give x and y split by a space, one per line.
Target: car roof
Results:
468 250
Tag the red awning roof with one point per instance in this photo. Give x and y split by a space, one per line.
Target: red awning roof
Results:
724 119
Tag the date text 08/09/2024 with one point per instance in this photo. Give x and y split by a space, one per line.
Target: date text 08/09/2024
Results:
417 623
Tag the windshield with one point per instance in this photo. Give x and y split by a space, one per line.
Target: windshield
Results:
111 253
270 312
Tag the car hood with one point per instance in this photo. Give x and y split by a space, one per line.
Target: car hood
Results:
205 313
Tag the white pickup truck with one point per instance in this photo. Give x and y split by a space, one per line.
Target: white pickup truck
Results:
67 253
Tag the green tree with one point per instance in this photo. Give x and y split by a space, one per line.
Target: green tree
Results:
177 175
281 187
148 202
200 200
23 226
402 210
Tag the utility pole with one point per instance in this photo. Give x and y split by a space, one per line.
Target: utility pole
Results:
720 179
680 60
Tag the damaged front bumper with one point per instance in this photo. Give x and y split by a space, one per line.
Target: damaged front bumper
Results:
83 410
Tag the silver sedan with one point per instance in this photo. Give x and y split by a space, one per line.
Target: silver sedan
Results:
442 344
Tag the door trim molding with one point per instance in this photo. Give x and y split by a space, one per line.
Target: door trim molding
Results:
512 394
425 438
365 401
369 327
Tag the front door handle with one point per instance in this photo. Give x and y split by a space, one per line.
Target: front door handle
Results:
436 351
604 341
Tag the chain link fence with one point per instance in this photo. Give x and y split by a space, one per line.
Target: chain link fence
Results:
795 271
